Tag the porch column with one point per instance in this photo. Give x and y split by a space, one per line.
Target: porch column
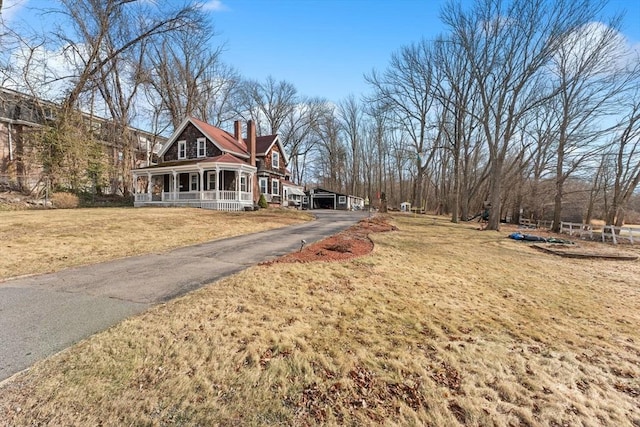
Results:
201 173
174 196
135 185
217 183
238 185
149 187
253 187
250 186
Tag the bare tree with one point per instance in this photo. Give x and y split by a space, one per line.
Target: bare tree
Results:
507 45
90 23
184 76
456 95
331 158
589 83
268 104
384 157
298 135
350 115
625 155
405 91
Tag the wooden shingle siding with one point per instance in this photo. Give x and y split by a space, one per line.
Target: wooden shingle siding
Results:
191 135
267 162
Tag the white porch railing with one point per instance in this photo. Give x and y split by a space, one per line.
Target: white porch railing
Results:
220 200
195 195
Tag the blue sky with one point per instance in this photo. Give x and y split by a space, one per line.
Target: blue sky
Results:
323 47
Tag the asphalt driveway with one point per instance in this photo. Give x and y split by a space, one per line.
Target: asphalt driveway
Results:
41 315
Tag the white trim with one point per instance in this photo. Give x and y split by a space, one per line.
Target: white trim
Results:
191 181
266 184
214 175
202 141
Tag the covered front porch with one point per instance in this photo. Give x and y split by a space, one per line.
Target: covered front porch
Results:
227 187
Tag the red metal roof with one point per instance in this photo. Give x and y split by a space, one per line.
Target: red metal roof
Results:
223 139
224 158
227 158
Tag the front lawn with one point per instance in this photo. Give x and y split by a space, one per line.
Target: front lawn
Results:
441 325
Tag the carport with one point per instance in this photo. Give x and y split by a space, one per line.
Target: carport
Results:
324 201
321 198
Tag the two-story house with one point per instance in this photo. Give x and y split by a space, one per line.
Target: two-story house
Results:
204 166
22 120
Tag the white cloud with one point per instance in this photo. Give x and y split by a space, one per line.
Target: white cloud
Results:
214 6
39 69
11 8
597 46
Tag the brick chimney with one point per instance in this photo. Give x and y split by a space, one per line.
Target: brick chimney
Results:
237 131
251 142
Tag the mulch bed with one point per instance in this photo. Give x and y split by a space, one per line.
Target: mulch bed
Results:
351 243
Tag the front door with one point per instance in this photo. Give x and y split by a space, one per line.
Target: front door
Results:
183 182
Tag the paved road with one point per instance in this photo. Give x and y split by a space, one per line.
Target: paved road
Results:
41 315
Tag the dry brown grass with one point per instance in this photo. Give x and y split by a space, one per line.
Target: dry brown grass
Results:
40 241
441 325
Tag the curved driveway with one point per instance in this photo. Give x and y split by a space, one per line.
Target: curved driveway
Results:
41 315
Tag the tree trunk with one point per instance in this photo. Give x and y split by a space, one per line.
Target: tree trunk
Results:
495 191
455 200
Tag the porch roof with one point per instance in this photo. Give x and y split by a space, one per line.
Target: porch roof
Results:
295 190
203 162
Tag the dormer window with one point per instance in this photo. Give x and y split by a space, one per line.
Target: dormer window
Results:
202 147
275 160
182 149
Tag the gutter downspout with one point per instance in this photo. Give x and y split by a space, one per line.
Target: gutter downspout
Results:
10 142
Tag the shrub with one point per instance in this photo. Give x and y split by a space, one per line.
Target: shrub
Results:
64 200
90 200
263 202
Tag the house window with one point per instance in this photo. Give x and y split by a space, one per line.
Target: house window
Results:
193 181
211 182
243 183
342 200
264 186
202 147
182 149
275 160
275 187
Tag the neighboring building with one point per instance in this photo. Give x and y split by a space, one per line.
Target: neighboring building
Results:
203 166
320 198
293 196
22 117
